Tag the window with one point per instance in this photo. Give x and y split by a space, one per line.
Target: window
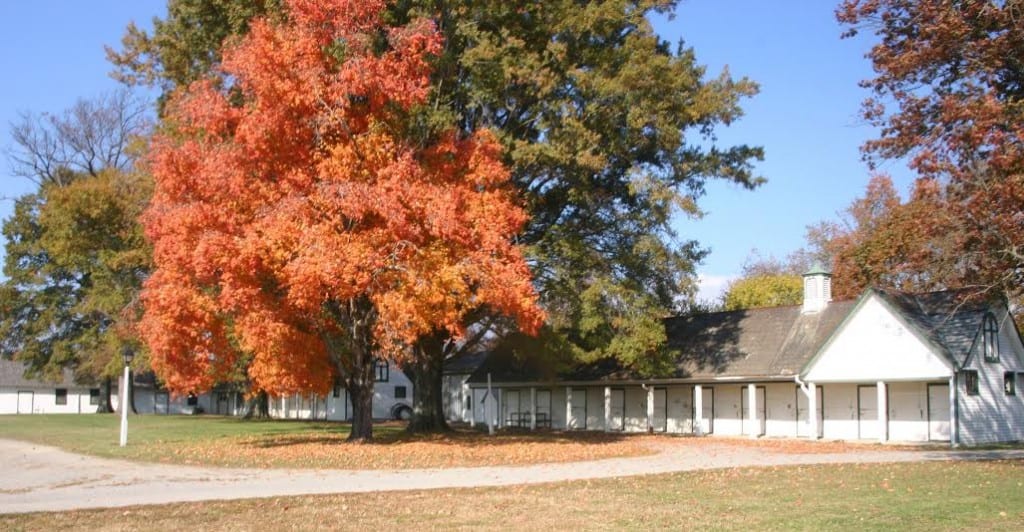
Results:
1010 383
62 396
990 332
380 370
970 381
337 388
399 392
193 400
94 396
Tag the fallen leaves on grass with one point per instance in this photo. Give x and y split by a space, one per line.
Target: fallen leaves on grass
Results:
330 450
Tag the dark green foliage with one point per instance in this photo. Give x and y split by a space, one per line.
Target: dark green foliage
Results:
75 260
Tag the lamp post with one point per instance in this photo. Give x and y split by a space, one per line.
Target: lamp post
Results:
128 355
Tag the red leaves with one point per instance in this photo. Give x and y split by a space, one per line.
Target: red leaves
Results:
267 213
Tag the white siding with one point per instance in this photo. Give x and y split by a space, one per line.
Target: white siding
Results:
993 416
873 345
44 401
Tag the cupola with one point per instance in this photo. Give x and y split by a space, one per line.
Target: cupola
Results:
817 289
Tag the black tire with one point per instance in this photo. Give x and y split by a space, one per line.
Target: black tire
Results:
402 413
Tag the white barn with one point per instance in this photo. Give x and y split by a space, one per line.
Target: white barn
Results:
20 395
886 367
392 399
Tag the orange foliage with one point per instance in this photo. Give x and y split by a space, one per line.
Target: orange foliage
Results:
296 194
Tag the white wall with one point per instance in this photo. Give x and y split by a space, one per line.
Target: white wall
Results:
44 401
993 416
874 345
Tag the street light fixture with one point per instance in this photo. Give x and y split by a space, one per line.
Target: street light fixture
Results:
128 355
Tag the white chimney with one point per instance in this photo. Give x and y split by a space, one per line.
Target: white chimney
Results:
817 289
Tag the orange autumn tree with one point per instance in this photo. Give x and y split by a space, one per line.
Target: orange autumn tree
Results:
293 219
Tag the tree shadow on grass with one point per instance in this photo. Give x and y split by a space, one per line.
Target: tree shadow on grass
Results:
455 438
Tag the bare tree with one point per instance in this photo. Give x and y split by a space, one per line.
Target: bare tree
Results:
88 137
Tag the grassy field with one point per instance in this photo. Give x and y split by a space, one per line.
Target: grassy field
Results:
226 441
914 496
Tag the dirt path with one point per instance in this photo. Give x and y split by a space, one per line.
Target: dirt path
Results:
41 478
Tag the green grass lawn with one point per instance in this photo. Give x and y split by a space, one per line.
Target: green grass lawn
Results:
908 496
150 437
232 442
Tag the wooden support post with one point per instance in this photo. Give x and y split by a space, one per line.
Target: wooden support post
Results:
533 408
568 408
698 410
883 413
650 409
812 410
755 427
490 403
607 408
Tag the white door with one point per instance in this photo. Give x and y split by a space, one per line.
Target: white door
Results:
544 408
938 412
511 416
618 421
760 407
161 403
867 412
25 400
660 420
579 409
803 425
707 413
481 402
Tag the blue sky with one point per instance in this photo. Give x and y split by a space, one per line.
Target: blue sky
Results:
806 115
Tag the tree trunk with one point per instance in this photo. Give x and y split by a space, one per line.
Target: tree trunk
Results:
131 391
257 407
105 405
360 390
426 373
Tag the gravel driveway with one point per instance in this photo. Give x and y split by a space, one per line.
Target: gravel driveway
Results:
41 478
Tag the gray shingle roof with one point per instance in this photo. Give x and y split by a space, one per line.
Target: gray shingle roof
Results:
12 375
765 343
949 320
465 363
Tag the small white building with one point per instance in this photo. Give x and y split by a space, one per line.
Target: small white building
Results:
392 399
888 366
20 395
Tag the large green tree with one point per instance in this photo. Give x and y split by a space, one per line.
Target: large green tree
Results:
608 131
75 261
75 255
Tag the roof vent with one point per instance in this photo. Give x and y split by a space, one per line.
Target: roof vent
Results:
817 289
